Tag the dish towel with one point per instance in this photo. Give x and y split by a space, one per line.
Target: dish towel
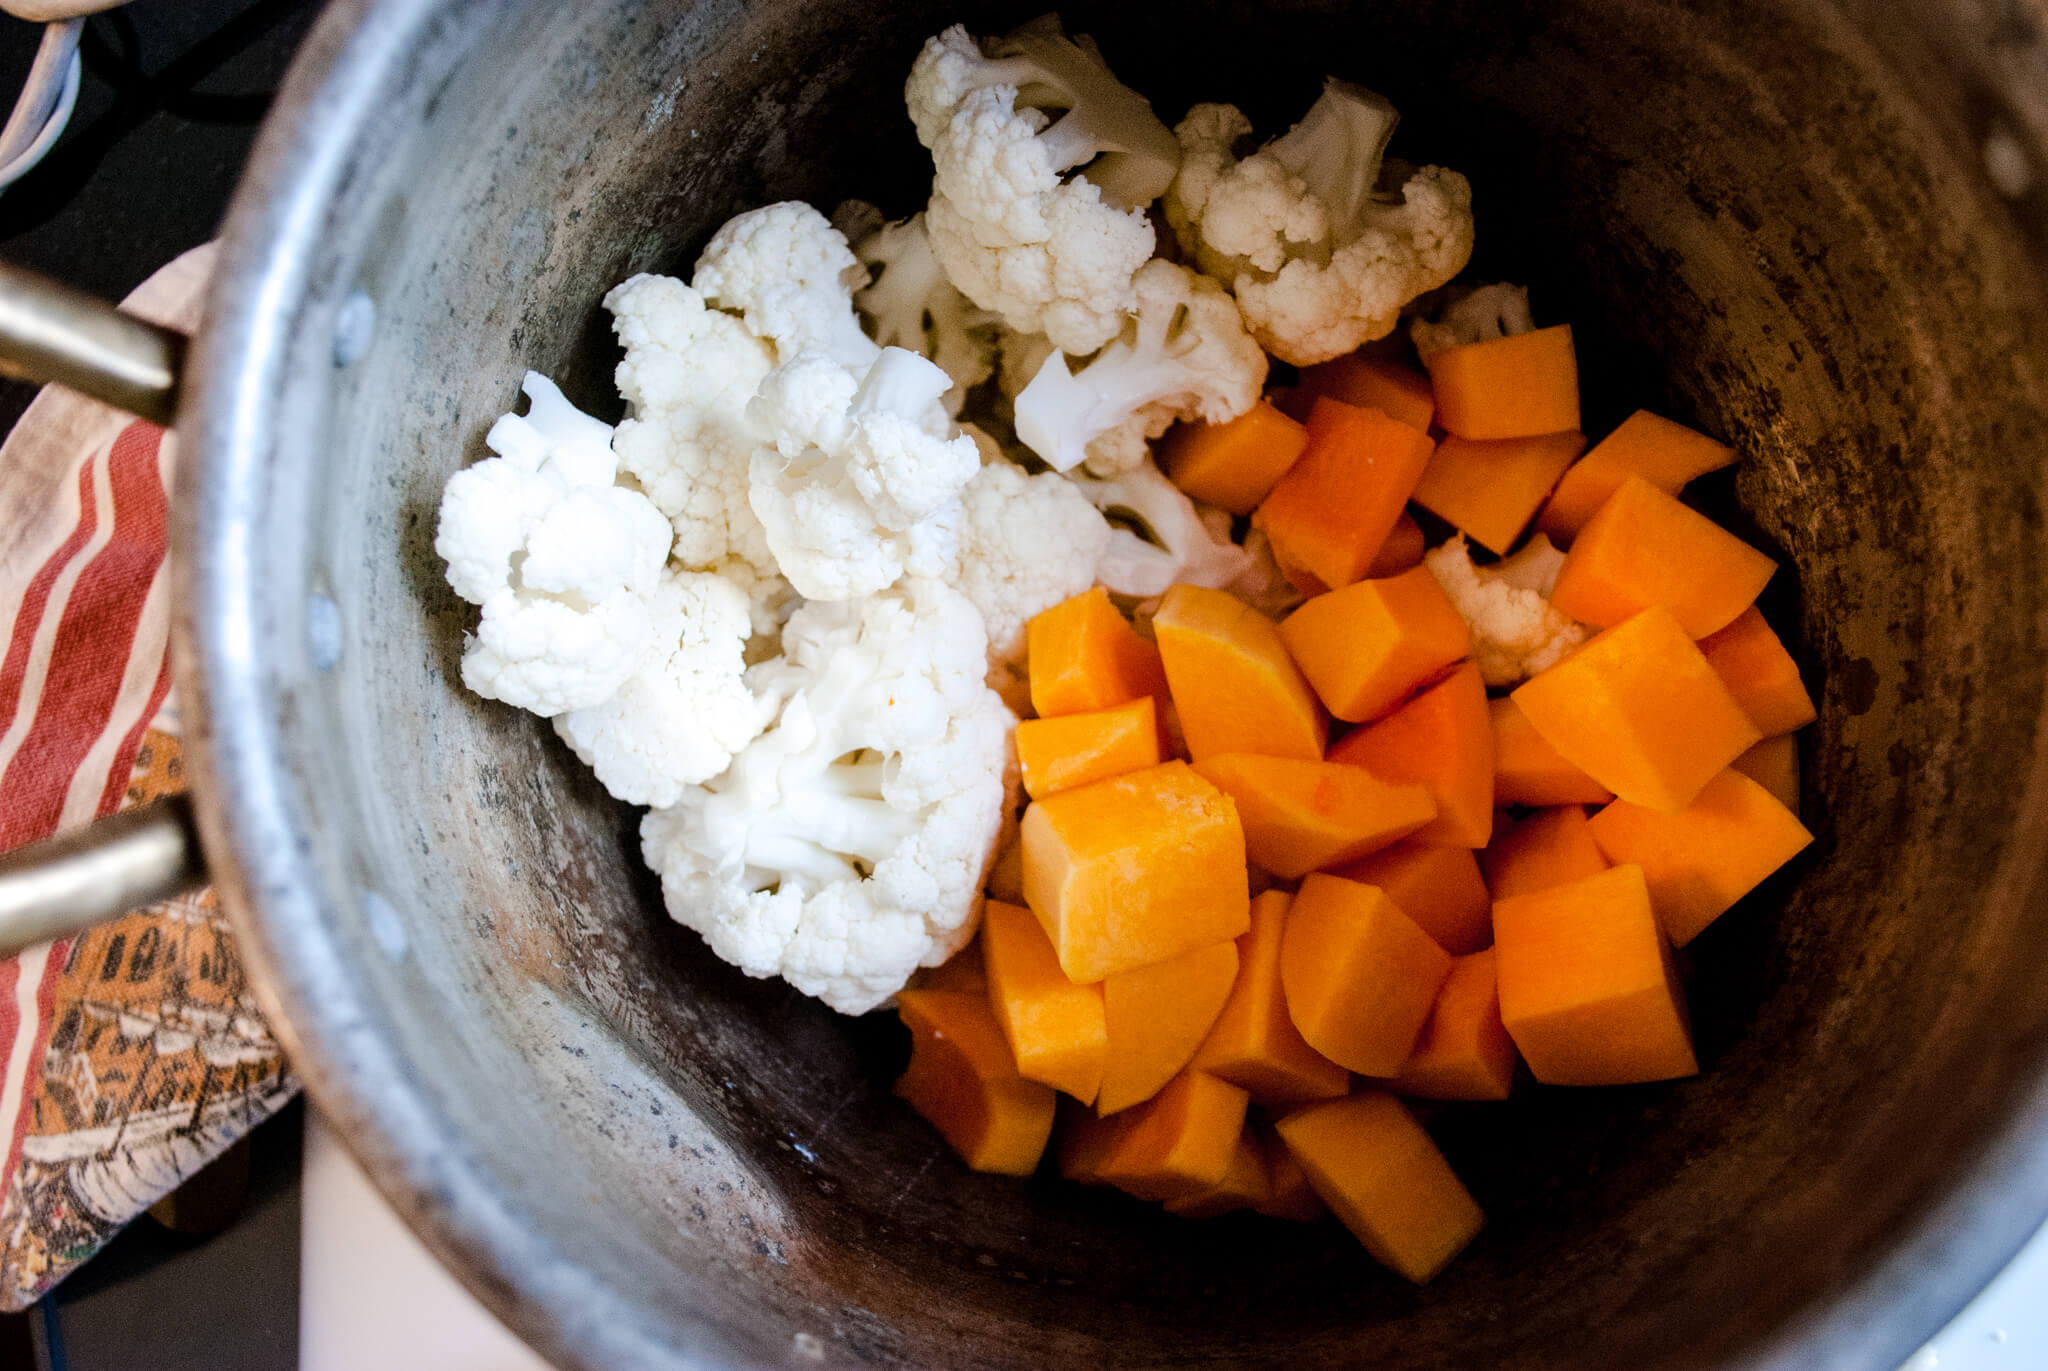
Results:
131 1055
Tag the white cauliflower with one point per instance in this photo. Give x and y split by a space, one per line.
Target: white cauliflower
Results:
791 275
1160 537
562 561
1320 259
1184 354
688 373
1050 253
863 478
1026 543
846 846
680 718
909 303
1473 316
1516 632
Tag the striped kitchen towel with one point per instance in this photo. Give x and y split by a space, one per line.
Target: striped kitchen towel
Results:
131 1055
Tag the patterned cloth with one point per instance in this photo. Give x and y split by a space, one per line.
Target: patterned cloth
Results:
131 1055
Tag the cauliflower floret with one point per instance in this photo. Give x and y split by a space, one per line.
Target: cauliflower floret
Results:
1184 354
909 303
846 846
792 276
1319 259
1050 254
1516 632
1474 316
687 375
1160 537
863 480
680 718
561 560
1026 543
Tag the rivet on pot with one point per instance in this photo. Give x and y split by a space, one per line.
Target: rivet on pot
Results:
323 631
2006 161
353 328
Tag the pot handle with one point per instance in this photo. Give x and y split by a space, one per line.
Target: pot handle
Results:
50 332
65 884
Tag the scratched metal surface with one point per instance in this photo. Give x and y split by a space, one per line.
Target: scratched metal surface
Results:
1761 218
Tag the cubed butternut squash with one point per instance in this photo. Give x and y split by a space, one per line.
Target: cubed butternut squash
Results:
1328 516
1701 860
1760 674
1244 1185
1442 739
1359 975
1464 1052
1299 817
1369 381
1774 765
1178 1143
962 1079
1056 1029
1233 465
1235 689
1289 1195
1438 887
1379 1172
1402 551
1083 1140
1665 454
1511 387
1490 489
1529 771
1084 655
1135 869
1253 1043
1158 1015
962 971
1588 987
1547 848
1073 749
1644 548
1640 710
1366 646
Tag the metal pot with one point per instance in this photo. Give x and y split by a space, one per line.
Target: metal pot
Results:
1816 229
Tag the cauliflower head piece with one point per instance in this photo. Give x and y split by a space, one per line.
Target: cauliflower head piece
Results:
1473 316
1516 631
791 276
846 845
1159 536
1026 543
1320 258
909 303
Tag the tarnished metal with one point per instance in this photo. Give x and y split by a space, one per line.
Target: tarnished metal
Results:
67 883
50 332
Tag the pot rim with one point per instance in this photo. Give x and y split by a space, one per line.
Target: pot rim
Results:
266 294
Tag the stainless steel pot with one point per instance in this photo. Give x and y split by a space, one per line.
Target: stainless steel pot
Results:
1818 229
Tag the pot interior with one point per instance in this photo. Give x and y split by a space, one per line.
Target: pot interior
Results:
1770 220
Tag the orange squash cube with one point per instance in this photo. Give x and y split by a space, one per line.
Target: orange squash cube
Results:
1701 860
1365 647
1774 765
1073 749
1359 975
1640 710
962 1080
1464 1052
1083 1140
1233 465
1760 674
1254 1044
1376 1168
1244 1186
1135 869
1056 1029
1528 771
1374 382
1665 454
962 971
1178 1143
1644 548
1234 687
1299 817
1490 489
1328 516
1441 739
1401 552
1550 847
1588 988
1289 1195
1511 387
1083 655
1438 887
1158 1015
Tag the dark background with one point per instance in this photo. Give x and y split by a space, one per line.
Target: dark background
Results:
173 91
